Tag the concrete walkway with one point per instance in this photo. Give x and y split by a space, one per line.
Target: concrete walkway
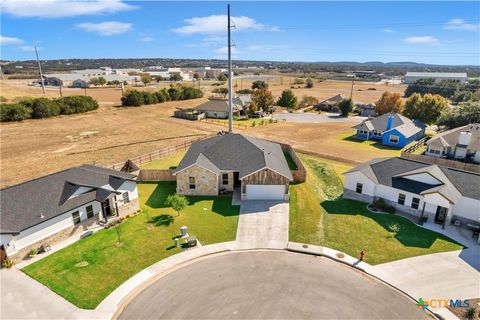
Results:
262 224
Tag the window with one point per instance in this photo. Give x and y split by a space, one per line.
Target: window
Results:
359 188
191 182
401 199
126 199
225 178
89 211
76 217
393 139
415 203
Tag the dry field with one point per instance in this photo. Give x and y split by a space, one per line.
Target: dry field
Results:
110 134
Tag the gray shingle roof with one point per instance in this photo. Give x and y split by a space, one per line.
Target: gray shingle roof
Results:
23 204
236 152
392 172
450 138
402 124
217 105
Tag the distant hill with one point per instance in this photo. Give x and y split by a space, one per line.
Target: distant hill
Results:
389 68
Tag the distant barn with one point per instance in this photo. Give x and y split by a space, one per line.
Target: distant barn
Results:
411 77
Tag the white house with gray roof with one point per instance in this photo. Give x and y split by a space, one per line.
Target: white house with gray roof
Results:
52 208
222 163
443 195
461 143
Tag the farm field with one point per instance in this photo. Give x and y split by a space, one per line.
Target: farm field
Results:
110 135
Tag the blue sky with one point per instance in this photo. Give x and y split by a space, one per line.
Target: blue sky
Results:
429 32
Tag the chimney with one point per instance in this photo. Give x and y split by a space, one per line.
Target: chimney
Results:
389 122
464 138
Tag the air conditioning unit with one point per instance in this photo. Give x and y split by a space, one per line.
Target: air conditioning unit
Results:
457 223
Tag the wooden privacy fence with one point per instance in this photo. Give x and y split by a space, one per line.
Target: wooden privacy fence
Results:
299 175
189 116
156 175
442 162
420 143
160 153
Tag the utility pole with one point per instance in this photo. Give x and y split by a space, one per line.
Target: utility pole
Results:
40 70
351 91
230 106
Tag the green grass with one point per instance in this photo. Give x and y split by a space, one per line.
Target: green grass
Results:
291 164
318 215
168 162
375 145
109 266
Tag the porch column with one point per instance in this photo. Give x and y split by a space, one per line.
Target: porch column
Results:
446 218
423 212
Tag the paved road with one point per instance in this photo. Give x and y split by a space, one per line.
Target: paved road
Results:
307 117
269 285
263 224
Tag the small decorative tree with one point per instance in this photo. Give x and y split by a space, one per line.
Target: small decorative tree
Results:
346 106
177 202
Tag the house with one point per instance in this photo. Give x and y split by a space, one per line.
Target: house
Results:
366 109
222 163
218 108
392 129
442 195
79 83
331 104
52 208
411 77
461 143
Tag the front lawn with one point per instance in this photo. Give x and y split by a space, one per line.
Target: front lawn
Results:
168 162
318 215
373 145
210 219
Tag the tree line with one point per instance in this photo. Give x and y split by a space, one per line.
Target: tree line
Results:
136 98
37 108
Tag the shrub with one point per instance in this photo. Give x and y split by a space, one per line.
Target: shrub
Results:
175 93
7 263
162 95
191 93
76 104
149 98
33 252
133 98
381 205
245 91
14 112
44 108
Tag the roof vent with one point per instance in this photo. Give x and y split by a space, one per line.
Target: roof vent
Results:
41 215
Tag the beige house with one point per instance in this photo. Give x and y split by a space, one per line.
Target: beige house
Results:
220 164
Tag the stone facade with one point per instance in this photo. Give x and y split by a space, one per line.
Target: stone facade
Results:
229 186
55 238
206 182
128 208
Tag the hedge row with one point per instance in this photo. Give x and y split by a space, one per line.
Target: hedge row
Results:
136 98
37 108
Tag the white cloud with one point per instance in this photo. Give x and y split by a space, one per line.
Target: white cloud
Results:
10 41
108 28
29 48
218 23
388 30
61 8
222 53
421 40
460 25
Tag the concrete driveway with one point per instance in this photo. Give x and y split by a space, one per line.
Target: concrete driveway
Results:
24 298
269 285
263 224
447 275
306 117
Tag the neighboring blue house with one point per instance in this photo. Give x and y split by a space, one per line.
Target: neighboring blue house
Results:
392 129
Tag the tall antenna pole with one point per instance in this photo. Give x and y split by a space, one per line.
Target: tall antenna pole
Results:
351 91
40 70
230 106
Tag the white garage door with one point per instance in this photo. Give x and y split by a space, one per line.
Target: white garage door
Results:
265 192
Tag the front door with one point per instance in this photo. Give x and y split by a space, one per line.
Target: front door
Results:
441 215
107 211
236 180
